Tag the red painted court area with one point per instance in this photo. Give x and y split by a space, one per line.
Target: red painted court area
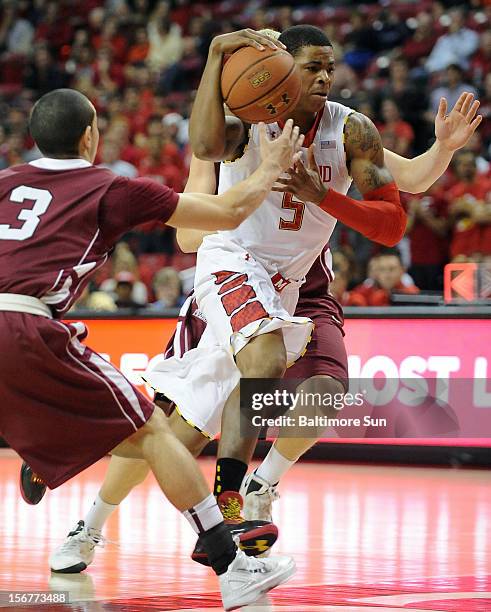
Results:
366 538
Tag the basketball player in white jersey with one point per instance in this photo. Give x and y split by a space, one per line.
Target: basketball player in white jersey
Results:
247 280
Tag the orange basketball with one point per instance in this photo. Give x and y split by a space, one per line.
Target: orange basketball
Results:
260 85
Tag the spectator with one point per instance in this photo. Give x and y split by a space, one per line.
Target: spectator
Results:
454 87
469 203
360 43
111 159
168 289
13 152
410 100
52 29
154 166
166 46
388 279
43 75
123 260
401 130
139 49
417 48
94 300
124 291
456 46
427 228
16 33
481 60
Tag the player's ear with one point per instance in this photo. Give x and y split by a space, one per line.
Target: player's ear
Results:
86 140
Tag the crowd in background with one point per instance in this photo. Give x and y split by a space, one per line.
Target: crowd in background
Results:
140 62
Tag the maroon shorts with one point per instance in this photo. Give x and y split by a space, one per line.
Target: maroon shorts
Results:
63 406
326 353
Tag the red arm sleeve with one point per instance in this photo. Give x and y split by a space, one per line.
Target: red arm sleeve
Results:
131 202
380 216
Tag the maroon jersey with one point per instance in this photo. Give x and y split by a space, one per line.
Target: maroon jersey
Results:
59 220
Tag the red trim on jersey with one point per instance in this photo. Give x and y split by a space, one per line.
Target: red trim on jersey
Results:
310 135
379 217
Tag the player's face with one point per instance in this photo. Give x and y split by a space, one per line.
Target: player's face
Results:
316 65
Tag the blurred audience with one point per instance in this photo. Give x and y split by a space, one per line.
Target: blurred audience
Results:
140 62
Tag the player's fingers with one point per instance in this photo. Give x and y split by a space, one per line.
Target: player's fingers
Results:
296 158
475 124
299 143
283 181
280 188
460 102
263 136
472 111
442 108
287 130
469 98
264 40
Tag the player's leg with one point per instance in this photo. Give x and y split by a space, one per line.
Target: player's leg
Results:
241 579
122 476
263 357
326 369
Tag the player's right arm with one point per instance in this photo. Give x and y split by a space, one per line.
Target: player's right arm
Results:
229 209
213 135
201 179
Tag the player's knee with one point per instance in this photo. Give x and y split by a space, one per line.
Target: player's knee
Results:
265 357
157 424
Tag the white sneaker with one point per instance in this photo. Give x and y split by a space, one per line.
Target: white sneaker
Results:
248 578
258 496
77 551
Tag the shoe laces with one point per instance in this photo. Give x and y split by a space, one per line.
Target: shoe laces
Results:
80 534
231 509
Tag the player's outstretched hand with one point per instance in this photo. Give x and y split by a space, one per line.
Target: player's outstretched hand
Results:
304 182
228 43
284 150
455 129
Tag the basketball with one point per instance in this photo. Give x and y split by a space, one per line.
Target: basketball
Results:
260 85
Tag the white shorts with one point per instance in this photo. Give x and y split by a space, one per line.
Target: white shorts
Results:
236 296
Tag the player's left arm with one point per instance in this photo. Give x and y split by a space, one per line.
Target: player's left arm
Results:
201 179
452 132
380 215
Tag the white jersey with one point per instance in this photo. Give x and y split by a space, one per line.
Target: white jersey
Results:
286 235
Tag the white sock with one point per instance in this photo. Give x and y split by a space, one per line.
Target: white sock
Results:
273 467
98 514
204 515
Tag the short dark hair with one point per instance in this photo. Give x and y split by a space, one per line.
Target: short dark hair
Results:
299 36
390 252
58 121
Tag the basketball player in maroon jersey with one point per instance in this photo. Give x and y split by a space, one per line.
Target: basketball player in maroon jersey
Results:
63 406
325 355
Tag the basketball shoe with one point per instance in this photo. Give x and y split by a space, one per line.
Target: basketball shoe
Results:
254 537
77 551
247 579
258 497
32 488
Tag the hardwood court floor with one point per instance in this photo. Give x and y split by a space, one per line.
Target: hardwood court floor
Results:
367 538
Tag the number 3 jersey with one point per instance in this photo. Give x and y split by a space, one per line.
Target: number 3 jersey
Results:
283 234
59 219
